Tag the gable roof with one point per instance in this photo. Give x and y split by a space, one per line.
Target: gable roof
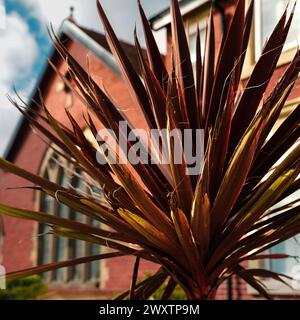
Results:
95 43
129 49
163 18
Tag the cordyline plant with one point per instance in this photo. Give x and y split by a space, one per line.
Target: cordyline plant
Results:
199 230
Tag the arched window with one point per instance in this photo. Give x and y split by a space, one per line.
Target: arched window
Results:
52 248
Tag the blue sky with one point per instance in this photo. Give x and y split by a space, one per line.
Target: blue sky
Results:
37 30
25 44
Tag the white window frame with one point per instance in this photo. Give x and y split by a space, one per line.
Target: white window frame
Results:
258 32
276 288
192 30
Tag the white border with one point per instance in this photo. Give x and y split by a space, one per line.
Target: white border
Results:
186 8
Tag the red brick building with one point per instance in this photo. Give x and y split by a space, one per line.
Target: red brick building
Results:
24 243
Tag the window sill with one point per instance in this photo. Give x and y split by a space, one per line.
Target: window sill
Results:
285 58
82 294
87 285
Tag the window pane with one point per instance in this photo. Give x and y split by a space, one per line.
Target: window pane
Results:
98 195
76 250
60 243
278 265
293 249
59 247
95 265
78 272
76 247
290 247
269 21
44 238
44 245
93 268
193 44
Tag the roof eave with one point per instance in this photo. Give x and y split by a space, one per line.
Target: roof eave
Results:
164 18
74 32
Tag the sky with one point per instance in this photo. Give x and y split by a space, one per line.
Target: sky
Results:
25 43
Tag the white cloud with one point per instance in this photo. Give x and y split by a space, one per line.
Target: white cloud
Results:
19 49
2 15
8 120
18 54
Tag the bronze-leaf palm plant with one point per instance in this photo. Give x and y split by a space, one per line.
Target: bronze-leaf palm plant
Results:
199 230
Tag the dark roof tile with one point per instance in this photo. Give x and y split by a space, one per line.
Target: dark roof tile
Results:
129 49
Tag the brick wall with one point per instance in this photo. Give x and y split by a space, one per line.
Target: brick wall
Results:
19 247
